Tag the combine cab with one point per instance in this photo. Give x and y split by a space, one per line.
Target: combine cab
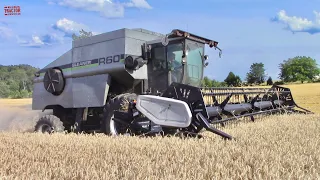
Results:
134 81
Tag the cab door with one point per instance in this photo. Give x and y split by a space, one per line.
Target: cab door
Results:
157 69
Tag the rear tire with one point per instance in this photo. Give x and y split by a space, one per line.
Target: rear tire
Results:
120 102
49 124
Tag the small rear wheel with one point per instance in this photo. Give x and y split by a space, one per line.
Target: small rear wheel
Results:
49 124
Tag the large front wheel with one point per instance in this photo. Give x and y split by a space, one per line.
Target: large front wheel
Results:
120 102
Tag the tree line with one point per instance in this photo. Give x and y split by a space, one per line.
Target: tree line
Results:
299 68
16 81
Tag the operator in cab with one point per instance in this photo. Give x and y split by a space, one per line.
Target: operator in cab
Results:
175 66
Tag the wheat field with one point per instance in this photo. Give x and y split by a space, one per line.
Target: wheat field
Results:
279 147
306 95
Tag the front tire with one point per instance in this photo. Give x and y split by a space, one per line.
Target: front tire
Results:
120 102
49 124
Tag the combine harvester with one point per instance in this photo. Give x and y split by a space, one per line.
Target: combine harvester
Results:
134 81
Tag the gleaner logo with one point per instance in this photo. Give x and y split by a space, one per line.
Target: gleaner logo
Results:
12 10
82 63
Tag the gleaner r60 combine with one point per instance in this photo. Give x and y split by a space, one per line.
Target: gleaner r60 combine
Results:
134 81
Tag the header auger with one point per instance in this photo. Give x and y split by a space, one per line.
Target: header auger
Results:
228 104
138 82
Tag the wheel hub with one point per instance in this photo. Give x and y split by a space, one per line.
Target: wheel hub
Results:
47 129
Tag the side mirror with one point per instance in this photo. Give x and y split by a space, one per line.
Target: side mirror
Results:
184 55
220 51
148 50
144 51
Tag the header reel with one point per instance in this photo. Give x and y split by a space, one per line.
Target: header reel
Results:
228 104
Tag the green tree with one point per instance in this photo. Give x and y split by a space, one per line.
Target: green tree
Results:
232 80
218 84
256 75
83 34
299 68
4 90
269 81
16 81
206 82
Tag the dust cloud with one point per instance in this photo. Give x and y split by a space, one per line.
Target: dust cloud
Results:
19 118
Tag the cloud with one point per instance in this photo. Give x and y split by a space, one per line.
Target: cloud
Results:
4 23
106 8
64 26
34 42
40 41
68 27
51 39
298 24
5 32
138 4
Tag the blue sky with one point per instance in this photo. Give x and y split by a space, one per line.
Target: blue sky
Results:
248 31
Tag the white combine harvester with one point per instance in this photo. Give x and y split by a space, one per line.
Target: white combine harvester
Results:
141 82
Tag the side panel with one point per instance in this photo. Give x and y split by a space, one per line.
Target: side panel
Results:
90 91
41 98
99 58
92 68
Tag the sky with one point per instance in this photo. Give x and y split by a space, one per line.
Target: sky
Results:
248 31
